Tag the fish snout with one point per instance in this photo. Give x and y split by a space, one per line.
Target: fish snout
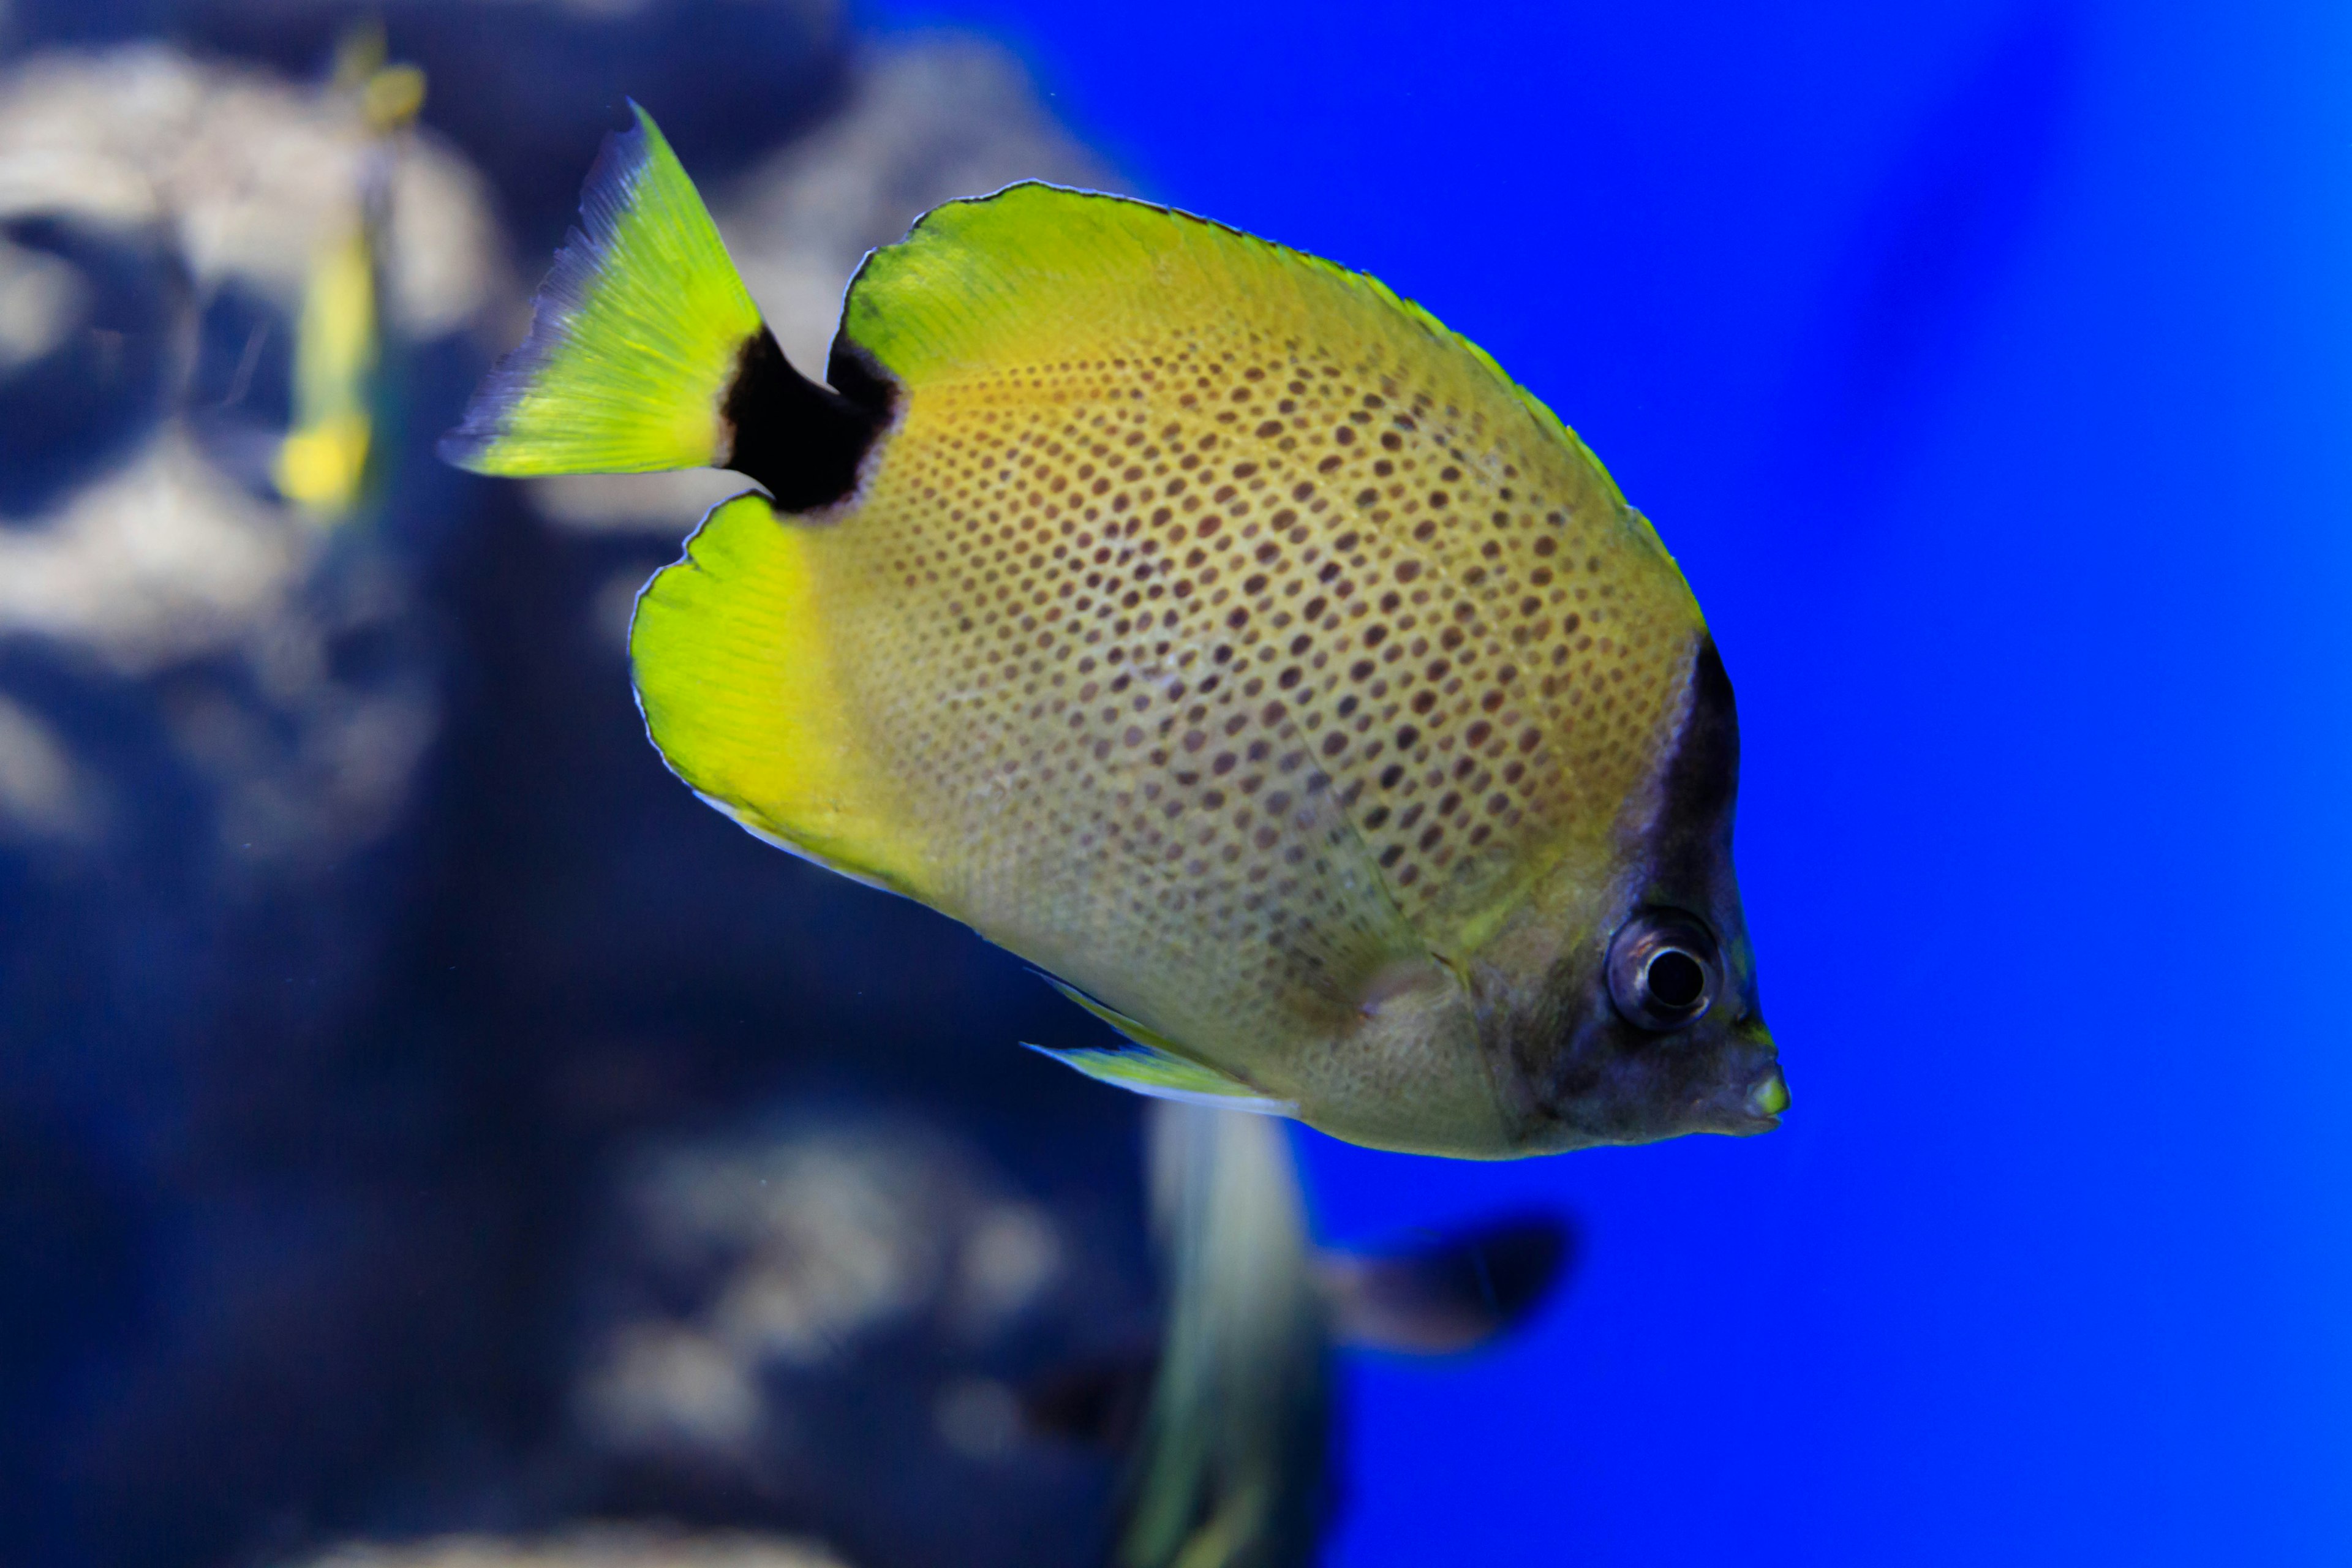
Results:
1766 1092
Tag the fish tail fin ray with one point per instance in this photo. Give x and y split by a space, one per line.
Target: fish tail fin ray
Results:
646 352
1230 1468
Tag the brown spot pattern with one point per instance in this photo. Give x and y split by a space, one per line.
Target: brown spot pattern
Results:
1232 641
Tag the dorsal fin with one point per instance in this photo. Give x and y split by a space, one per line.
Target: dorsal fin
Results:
1043 273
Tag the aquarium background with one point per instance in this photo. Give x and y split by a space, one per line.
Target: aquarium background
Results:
1987 367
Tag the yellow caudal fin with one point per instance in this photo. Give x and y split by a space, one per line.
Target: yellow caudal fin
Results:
737 686
1040 273
647 352
635 336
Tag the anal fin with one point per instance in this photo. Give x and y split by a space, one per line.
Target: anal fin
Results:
737 678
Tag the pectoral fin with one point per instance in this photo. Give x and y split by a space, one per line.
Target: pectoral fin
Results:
1154 1065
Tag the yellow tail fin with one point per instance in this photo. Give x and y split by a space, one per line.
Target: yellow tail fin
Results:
636 335
647 352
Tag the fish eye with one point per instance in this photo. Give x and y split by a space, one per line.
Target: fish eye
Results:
1664 970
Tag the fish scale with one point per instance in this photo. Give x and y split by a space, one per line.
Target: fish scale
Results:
1201 623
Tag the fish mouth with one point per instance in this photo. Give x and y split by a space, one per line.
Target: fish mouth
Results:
1767 1098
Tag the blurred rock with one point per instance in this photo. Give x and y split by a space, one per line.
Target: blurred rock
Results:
523 87
165 566
391 1051
596 1547
246 174
43 795
281 669
163 560
217 718
819 1320
41 299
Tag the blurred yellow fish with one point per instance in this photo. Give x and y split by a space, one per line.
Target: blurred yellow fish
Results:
1203 623
324 463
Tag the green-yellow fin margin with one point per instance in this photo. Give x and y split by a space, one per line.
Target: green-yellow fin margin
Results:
634 336
985 281
737 685
1153 1065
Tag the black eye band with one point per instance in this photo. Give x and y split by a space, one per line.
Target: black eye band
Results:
1664 970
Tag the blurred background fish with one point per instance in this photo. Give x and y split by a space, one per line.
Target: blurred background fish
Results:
1232 1463
343 398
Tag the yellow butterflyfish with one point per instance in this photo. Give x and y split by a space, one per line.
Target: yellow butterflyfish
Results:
1201 621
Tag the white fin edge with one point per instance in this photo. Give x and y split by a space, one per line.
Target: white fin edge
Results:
775 841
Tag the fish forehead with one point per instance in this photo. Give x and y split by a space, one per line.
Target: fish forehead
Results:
1223 672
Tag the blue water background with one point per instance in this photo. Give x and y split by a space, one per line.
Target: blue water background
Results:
1989 369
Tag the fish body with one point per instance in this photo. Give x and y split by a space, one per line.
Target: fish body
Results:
1201 622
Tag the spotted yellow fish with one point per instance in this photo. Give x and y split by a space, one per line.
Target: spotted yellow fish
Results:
1201 622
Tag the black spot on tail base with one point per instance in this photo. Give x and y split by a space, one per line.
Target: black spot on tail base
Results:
799 441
